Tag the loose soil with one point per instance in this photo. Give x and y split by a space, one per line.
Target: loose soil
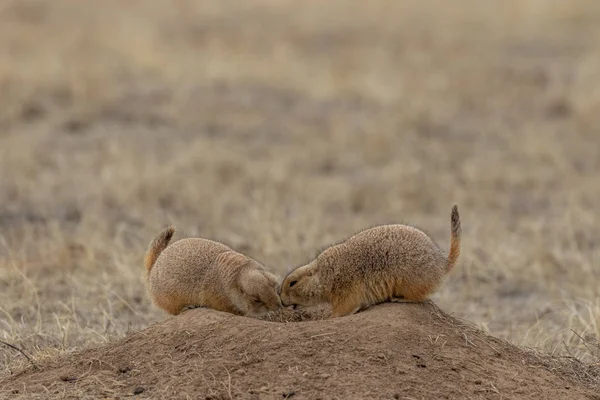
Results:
391 351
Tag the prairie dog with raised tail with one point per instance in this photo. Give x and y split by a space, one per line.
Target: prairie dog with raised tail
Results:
196 272
397 263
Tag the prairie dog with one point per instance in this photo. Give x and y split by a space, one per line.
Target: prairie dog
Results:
197 272
396 263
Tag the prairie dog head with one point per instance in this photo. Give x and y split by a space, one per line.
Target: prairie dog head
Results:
302 287
259 288
256 289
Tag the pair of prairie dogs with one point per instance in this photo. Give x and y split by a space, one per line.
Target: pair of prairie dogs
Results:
396 263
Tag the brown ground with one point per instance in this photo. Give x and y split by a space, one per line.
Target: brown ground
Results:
280 127
391 351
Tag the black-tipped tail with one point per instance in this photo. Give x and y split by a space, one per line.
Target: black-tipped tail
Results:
455 233
158 244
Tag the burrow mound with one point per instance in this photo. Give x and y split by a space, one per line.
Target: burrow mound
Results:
402 351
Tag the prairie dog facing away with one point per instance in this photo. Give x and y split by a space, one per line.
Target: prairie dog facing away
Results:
397 263
196 272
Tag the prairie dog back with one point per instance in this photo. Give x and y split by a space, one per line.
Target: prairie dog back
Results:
386 263
196 272
185 261
379 256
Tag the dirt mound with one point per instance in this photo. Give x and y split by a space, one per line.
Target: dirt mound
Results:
401 351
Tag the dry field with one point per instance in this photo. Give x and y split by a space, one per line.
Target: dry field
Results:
281 127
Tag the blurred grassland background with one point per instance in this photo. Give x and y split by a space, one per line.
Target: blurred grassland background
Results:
282 127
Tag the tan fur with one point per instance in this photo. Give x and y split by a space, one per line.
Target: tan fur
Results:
197 272
386 263
157 245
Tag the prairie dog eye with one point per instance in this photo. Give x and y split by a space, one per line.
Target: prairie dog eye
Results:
256 300
292 283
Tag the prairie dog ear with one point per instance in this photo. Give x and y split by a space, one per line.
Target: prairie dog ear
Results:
253 275
252 281
231 259
307 270
272 276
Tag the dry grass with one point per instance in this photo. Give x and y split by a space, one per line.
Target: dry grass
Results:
281 127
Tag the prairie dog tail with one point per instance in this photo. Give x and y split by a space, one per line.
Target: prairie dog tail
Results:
455 232
158 244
